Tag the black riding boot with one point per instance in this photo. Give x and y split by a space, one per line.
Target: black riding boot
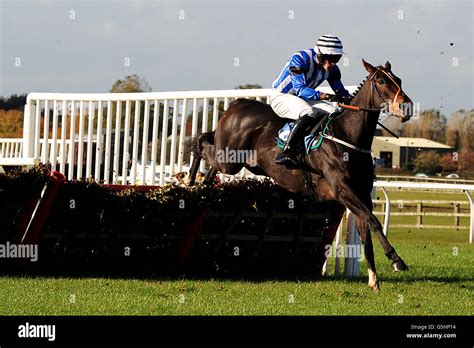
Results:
301 126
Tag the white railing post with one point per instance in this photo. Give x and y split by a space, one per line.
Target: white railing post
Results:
182 135
90 142
471 226
194 125
386 220
100 141
28 129
337 260
37 130
205 115
136 129
164 142
72 139
174 137
215 113
352 250
45 152
80 145
116 154
108 145
63 152
126 139
146 120
53 152
154 141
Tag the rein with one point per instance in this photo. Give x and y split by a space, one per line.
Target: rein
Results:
357 108
340 141
392 107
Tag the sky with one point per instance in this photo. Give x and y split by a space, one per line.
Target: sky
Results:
85 46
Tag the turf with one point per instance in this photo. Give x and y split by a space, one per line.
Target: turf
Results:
440 282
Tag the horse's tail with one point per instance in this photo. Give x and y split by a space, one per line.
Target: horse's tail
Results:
196 142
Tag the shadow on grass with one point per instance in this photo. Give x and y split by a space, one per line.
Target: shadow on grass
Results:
250 278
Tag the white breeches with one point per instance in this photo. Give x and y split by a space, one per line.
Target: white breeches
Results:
290 106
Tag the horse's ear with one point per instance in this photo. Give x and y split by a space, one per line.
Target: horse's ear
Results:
369 67
388 66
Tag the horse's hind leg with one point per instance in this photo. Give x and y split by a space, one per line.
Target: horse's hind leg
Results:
210 176
202 147
220 160
194 169
397 263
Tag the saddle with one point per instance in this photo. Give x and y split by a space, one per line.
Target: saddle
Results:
312 141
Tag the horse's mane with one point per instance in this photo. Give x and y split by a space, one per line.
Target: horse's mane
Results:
352 96
361 84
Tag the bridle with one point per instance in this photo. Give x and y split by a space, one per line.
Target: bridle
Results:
394 107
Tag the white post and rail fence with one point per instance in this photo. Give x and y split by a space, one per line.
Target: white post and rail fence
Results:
351 266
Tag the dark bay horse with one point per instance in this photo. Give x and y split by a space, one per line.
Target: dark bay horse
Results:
340 170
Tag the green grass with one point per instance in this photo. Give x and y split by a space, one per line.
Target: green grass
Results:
403 194
438 283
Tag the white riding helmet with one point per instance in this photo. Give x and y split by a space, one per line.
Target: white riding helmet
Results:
329 45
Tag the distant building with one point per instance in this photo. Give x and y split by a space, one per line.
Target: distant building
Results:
390 152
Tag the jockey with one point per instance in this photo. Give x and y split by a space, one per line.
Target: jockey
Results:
294 94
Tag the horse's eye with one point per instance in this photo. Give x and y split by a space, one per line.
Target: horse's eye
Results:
381 81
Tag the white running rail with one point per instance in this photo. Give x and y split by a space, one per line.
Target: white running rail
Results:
116 138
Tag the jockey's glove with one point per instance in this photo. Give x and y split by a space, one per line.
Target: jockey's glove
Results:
326 96
339 98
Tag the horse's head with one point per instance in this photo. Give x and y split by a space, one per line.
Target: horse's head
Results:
387 91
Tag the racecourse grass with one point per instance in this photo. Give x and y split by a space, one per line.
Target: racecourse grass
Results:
440 282
395 195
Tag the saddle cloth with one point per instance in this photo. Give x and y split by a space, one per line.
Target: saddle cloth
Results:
311 141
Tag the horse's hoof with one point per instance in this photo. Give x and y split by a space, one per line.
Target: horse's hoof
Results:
399 266
375 286
187 180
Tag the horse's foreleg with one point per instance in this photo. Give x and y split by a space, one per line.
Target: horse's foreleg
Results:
366 239
397 262
363 210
